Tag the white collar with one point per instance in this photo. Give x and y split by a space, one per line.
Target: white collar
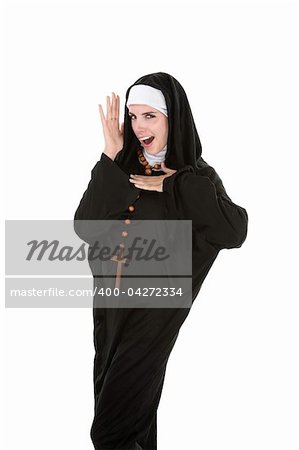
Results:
155 159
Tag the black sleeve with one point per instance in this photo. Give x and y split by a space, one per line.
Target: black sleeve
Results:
108 194
195 197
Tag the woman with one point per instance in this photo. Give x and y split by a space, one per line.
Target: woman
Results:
151 168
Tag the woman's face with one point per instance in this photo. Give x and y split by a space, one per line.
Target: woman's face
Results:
147 121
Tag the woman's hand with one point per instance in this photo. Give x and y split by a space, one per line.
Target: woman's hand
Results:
113 135
151 183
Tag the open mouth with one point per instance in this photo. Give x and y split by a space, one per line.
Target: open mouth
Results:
148 141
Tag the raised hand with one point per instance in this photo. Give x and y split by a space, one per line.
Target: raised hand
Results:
113 134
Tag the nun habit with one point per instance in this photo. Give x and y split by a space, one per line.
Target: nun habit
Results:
132 345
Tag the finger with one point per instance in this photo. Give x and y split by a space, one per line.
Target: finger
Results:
170 173
142 177
113 108
145 178
102 116
167 170
164 168
108 115
145 183
139 179
117 109
147 187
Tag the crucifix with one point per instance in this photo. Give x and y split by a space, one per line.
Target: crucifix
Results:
120 260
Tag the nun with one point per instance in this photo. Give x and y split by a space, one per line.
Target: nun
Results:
150 169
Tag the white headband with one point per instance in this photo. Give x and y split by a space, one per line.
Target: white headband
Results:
142 94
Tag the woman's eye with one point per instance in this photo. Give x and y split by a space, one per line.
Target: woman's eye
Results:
148 115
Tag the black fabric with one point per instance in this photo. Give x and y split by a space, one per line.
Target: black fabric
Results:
132 346
183 144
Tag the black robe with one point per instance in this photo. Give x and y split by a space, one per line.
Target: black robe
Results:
132 345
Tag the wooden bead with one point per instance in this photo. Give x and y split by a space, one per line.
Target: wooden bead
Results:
131 208
124 233
145 163
127 221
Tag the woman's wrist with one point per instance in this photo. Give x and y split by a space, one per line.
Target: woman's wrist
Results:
109 154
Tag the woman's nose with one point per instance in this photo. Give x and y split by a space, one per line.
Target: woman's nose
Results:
139 130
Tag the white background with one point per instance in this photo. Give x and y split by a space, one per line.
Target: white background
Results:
231 379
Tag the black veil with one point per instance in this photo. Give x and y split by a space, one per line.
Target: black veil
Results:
183 144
